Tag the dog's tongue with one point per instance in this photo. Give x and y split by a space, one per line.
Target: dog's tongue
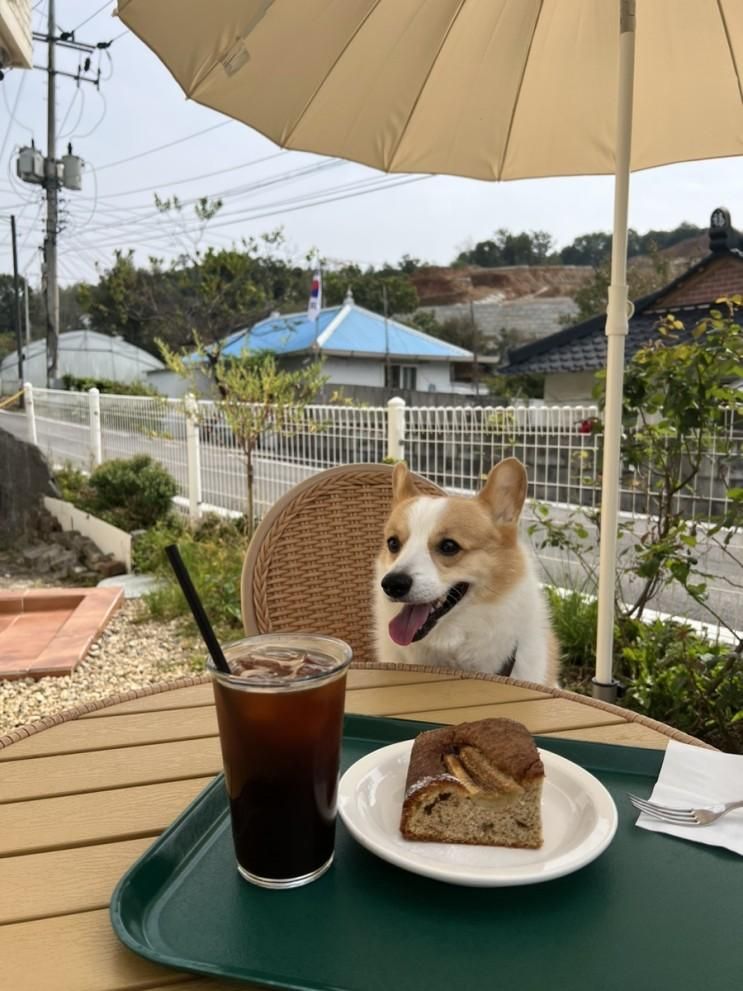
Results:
408 621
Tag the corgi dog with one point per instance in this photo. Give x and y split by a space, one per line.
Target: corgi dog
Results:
456 587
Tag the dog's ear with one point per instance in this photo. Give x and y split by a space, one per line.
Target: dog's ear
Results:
403 486
504 491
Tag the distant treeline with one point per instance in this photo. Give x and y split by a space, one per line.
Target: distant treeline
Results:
213 292
537 247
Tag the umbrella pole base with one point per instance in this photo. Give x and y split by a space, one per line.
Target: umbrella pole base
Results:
606 693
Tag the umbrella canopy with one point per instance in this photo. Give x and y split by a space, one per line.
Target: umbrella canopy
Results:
490 89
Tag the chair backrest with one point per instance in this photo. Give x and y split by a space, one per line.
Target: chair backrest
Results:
310 564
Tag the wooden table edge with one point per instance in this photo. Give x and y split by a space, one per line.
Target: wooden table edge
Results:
623 714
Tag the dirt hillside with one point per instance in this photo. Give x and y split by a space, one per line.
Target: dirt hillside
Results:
439 285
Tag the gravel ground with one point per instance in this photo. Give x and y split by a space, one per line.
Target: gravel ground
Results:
131 652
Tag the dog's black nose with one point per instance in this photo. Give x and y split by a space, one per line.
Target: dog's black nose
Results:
396 584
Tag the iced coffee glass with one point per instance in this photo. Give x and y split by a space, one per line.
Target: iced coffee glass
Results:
280 715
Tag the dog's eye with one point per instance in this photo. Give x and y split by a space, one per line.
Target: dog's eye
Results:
393 545
449 547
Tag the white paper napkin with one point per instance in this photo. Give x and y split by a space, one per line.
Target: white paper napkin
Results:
691 777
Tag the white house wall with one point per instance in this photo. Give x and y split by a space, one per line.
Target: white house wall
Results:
353 371
434 376
431 376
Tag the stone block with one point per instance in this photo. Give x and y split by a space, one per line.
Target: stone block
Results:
108 567
25 479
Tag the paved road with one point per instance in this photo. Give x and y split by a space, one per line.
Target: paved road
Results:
223 486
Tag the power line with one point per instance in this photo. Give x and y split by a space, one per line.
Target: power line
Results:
195 178
237 192
378 181
170 144
149 226
91 16
79 92
98 123
13 117
291 209
9 128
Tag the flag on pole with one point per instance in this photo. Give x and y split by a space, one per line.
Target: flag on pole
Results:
315 303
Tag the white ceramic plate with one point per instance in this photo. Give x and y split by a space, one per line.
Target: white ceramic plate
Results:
578 815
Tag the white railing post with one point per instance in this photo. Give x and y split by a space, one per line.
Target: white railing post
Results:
94 415
28 402
396 429
193 456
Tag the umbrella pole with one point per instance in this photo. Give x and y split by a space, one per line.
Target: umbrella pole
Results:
617 319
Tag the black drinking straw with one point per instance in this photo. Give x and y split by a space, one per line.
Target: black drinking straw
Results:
194 603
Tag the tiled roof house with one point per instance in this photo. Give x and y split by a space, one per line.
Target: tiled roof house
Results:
570 358
358 348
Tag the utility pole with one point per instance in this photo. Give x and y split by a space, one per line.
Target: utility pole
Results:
17 300
475 366
28 319
51 174
52 208
387 377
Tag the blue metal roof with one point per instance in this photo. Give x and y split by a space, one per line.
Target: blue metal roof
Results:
283 335
347 329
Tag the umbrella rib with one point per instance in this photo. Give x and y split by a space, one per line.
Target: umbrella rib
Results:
518 91
423 85
730 48
287 138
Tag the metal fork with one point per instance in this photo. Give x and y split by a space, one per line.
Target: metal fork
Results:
684 817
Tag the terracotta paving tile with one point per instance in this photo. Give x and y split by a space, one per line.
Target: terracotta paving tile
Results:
10 603
49 603
49 631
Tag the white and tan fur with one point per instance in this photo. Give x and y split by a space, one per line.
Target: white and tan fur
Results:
503 607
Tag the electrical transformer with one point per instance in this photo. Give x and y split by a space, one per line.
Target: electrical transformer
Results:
30 165
72 175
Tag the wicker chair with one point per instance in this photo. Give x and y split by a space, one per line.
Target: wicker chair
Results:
310 563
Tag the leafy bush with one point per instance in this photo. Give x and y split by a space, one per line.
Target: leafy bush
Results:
213 552
71 483
74 383
674 675
669 672
132 493
148 546
680 401
574 618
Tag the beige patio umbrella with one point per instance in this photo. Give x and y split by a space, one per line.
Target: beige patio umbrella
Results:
491 89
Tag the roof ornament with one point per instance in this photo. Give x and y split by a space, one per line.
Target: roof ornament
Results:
722 235
348 299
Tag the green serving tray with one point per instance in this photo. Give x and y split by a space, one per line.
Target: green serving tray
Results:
651 912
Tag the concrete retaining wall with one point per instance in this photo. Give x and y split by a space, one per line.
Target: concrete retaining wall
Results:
108 538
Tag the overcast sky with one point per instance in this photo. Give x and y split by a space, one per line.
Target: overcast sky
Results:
140 108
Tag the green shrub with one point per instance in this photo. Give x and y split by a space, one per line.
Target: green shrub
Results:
574 618
71 483
74 383
213 552
148 546
674 675
132 493
669 672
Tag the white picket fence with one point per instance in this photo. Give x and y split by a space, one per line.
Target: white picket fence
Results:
453 446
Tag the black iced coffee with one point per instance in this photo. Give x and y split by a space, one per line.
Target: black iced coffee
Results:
280 717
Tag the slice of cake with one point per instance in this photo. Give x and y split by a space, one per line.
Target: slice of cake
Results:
477 783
